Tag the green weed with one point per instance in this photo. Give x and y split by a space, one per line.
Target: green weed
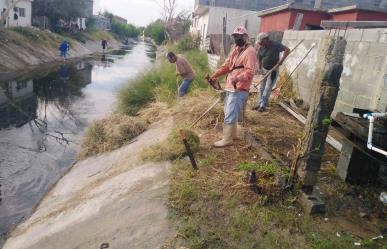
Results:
160 83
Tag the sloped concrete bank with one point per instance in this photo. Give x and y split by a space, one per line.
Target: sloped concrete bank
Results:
113 200
20 50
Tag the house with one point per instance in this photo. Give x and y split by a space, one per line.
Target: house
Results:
18 12
358 13
308 14
291 16
102 23
44 10
120 20
213 20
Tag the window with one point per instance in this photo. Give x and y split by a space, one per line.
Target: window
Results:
22 12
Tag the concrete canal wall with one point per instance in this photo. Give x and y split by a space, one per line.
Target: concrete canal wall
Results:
26 48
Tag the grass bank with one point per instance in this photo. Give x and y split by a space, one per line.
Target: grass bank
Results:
160 84
216 207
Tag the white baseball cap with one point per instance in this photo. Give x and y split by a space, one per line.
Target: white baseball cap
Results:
261 36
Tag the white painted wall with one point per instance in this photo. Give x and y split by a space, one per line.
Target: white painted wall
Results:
23 21
211 22
235 17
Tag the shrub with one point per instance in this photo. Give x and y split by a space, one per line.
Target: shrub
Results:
156 31
187 43
27 32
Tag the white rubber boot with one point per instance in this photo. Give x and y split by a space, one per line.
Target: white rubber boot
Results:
239 132
229 131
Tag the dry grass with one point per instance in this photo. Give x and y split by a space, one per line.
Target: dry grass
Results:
172 148
111 133
215 207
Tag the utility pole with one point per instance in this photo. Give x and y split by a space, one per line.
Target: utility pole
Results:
324 94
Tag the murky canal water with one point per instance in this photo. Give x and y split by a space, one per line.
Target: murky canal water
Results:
43 119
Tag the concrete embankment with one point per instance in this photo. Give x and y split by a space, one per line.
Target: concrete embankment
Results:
29 47
114 200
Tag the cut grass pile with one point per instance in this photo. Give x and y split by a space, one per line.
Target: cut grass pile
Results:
111 133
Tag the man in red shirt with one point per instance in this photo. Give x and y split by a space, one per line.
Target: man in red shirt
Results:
240 67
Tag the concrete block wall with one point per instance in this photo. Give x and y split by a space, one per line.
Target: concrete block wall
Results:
364 79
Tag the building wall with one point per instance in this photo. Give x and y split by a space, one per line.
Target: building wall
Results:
364 80
371 16
311 18
359 15
22 21
242 4
278 21
345 16
235 17
328 4
285 20
211 22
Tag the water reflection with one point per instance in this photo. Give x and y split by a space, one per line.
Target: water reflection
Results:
18 103
43 118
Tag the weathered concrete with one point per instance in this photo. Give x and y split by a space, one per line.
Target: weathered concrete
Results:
20 52
113 198
325 89
364 81
312 204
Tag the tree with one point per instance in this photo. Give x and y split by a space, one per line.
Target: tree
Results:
120 29
5 13
156 31
168 9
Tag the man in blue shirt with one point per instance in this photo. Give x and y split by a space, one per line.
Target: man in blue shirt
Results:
64 48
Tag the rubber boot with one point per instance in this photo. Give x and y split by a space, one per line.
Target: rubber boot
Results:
229 130
239 132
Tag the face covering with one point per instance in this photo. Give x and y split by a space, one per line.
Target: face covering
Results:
239 41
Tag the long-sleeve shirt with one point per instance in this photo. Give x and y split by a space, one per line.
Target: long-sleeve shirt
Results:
184 68
241 66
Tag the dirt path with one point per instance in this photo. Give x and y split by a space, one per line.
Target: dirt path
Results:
113 199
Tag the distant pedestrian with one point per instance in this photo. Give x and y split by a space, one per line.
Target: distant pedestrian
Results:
104 45
268 58
184 70
64 48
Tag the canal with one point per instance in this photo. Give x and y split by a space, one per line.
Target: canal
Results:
43 118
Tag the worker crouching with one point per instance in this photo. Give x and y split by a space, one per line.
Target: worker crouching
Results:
240 67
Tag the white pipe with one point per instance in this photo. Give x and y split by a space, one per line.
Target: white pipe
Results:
371 117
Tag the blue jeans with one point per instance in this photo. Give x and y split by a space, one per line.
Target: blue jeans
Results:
233 103
265 89
63 54
183 89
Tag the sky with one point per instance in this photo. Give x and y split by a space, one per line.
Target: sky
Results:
138 12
